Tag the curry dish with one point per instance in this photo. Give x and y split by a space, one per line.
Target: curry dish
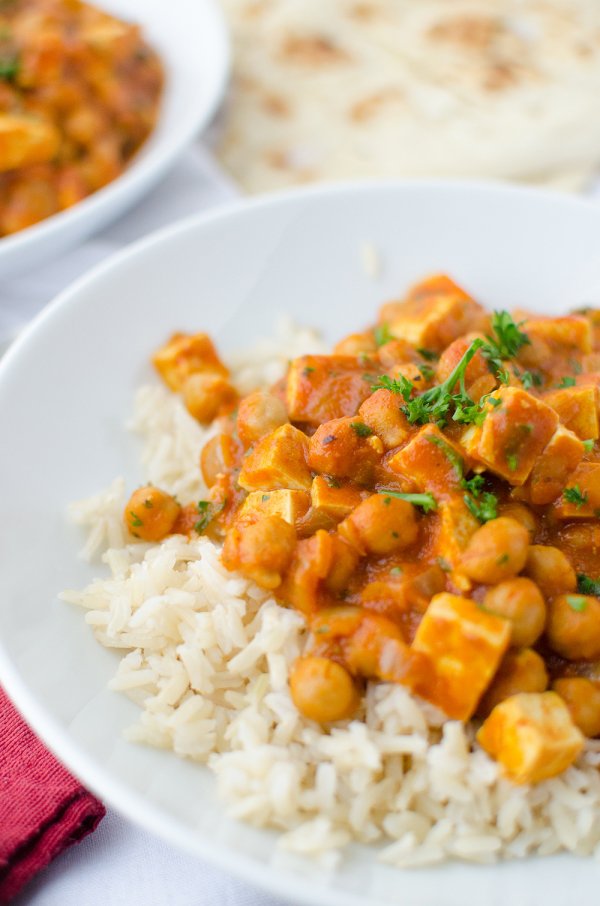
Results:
79 94
428 498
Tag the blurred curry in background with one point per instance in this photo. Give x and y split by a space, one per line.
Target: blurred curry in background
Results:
79 94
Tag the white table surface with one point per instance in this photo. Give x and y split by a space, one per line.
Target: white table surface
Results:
120 864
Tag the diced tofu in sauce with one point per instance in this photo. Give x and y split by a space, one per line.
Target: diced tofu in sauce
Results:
378 508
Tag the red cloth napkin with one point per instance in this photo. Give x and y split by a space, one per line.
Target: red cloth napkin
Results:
43 810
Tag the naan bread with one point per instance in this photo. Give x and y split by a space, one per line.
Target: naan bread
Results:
341 89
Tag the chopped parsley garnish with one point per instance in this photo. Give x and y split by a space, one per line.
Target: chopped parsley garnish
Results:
428 354
588 445
473 485
529 379
135 519
566 382
502 559
512 461
576 603
426 370
574 495
361 429
401 385
382 334
507 339
484 508
265 497
396 571
588 586
10 63
308 370
427 502
148 503
205 511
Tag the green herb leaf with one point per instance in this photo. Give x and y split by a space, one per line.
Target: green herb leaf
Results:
484 508
588 445
401 385
308 370
361 429
426 370
426 502
566 382
576 603
10 64
575 496
382 334
396 571
508 339
588 586
474 485
428 354
512 461
135 519
205 510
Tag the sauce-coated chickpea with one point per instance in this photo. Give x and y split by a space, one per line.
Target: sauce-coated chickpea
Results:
520 513
323 690
205 392
259 414
261 550
582 698
573 628
550 570
150 513
521 670
381 525
521 603
497 551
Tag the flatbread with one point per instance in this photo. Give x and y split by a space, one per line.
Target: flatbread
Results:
341 89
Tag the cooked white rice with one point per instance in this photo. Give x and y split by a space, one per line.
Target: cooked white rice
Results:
206 656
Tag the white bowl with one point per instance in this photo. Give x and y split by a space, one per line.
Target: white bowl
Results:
192 40
66 390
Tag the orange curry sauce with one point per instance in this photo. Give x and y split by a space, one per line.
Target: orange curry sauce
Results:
427 496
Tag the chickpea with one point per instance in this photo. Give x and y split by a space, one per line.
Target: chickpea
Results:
550 570
497 551
582 698
259 414
150 513
323 690
204 393
574 626
356 344
217 456
344 560
521 603
520 671
520 513
380 525
262 550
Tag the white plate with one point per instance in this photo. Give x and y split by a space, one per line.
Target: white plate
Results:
192 40
66 389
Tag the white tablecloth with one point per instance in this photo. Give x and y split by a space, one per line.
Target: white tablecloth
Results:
120 865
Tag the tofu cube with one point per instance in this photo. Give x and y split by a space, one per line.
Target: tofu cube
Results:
532 736
516 430
320 387
566 336
455 527
585 481
434 314
431 461
577 408
333 502
553 468
277 461
381 412
184 355
465 645
289 505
